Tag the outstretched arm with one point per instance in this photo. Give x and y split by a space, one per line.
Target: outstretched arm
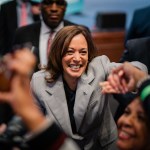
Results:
123 79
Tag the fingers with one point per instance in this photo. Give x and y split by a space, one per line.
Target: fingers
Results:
107 88
118 69
131 84
22 61
124 85
5 97
2 128
114 81
117 82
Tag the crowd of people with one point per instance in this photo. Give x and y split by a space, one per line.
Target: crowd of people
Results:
58 90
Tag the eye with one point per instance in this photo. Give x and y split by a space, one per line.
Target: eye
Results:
126 112
141 117
69 52
83 52
61 3
46 2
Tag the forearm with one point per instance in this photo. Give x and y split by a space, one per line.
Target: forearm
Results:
139 75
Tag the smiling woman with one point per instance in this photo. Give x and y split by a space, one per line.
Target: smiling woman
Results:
68 90
75 60
134 128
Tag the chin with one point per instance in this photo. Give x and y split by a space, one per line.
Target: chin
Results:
75 75
123 145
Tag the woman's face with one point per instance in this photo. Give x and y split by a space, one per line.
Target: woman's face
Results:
132 127
75 60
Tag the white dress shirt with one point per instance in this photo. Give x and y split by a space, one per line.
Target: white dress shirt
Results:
44 35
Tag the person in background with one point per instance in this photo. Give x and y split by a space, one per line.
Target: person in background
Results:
136 45
134 127
137 38
135 48
35 9
68 90
40 34
140 24
44 134
134 124
11 18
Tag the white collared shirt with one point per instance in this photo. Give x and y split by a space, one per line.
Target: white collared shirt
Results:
44 35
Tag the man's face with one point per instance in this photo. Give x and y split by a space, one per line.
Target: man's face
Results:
53 12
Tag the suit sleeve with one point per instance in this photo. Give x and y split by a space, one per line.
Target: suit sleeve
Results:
126 53
131 34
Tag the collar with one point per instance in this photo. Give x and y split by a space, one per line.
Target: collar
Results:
45 29
19 2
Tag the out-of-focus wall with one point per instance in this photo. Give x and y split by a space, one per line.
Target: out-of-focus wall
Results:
91 7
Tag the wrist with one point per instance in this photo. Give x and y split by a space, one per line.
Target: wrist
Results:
32 117
140 82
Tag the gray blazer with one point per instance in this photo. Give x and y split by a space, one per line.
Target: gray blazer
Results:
93 118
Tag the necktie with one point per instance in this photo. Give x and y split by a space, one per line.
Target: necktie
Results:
49 42
23 14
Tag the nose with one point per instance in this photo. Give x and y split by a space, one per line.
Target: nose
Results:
54 7
129 121
76 56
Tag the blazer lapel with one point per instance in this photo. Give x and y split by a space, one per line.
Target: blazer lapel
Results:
83 93
58 105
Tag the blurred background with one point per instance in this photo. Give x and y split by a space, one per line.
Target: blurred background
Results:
88 9
108 20
85 11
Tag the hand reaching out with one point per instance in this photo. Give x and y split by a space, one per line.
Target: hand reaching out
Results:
122 79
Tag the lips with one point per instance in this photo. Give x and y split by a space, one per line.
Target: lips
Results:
54 17
75 67
125 135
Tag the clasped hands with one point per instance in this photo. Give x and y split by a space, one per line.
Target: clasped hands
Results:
122 79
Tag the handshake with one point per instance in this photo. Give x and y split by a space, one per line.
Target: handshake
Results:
123 79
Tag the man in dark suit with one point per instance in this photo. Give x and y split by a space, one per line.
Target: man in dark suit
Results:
10 20
140 24
138 50
52 12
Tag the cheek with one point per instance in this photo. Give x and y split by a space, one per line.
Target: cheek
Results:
143 135
143 132
61 11
64 62
85 59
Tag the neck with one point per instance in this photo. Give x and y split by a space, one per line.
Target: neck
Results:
72 83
